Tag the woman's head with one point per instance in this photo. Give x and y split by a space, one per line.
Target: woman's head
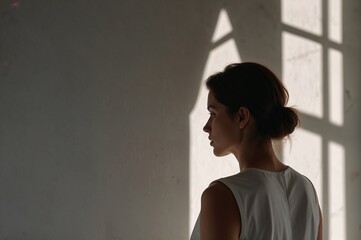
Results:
258 89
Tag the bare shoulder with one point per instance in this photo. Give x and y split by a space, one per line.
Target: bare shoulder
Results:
217 191
220 216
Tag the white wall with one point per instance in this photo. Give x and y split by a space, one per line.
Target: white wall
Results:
95 98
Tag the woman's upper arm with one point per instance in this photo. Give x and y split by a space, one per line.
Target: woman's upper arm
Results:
220 216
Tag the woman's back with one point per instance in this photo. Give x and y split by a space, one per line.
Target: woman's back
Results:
274 205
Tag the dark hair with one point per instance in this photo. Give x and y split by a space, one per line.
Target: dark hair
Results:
257 88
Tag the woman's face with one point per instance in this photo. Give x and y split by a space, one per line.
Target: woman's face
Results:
224 132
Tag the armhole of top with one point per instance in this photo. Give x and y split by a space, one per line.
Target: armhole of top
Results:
317 203
238 201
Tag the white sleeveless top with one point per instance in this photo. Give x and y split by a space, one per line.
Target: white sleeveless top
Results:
273 205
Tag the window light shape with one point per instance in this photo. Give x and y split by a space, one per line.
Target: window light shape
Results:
223 26
204 167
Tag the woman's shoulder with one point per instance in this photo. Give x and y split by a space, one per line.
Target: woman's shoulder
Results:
219 211
216 189
218 194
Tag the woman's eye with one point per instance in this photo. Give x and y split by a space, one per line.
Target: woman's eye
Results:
212 114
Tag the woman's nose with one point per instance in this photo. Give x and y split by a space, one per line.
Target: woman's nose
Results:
206 127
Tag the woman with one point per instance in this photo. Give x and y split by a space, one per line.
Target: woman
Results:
267 199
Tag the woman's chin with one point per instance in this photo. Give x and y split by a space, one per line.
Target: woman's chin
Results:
218 153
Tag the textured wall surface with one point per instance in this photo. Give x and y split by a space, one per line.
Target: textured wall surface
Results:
95 104
321 59
95 98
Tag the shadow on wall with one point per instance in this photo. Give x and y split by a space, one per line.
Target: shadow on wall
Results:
95 99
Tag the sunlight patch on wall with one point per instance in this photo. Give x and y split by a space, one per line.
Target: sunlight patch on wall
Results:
223 26
335 87
302 73
204 166
336 178
303 152
305 15
335 20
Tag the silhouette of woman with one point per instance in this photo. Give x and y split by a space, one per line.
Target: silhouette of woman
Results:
266 199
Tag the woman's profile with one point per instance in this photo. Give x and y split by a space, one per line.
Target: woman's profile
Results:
266 199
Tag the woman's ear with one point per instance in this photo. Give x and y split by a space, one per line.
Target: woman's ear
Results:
244 116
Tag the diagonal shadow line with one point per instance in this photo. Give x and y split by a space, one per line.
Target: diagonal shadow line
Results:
316 38
222 40
314 124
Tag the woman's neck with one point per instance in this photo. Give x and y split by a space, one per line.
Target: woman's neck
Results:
258 153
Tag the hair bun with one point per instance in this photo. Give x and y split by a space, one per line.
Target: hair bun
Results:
282 121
